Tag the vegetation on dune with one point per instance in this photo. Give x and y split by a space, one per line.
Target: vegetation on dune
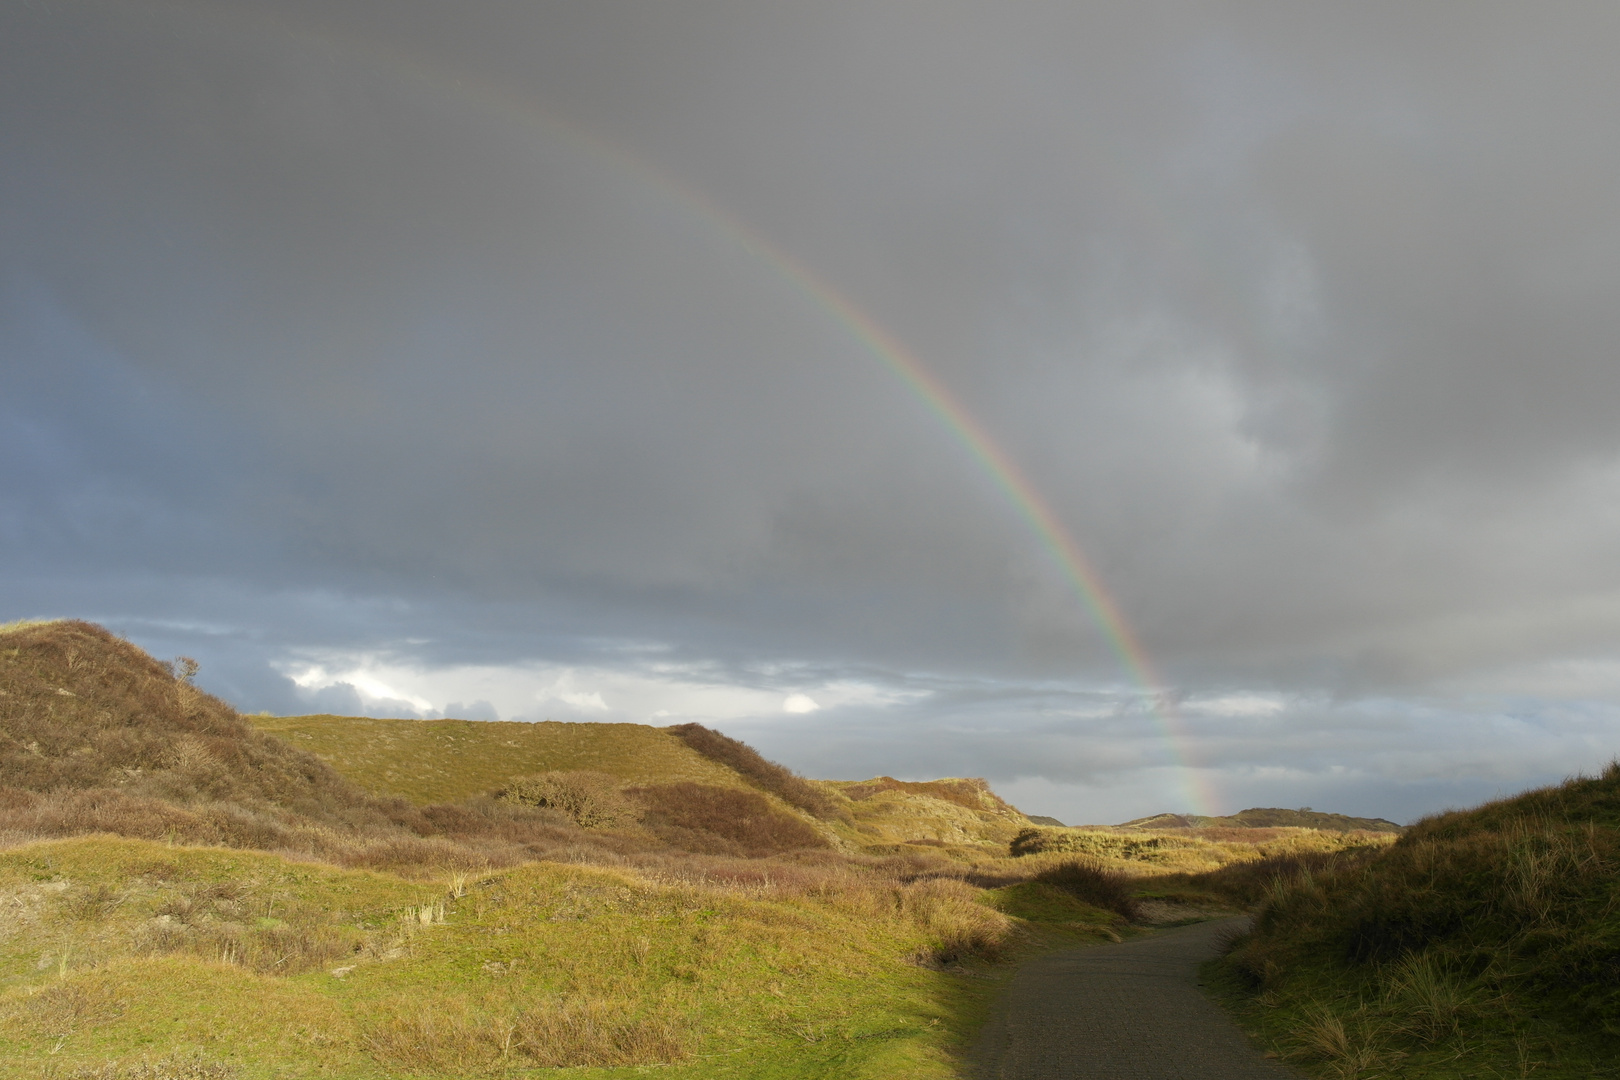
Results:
721 821
592 800
1482 943
597 897
791 788
1191 850
884 813
429 761
1261 817
246 960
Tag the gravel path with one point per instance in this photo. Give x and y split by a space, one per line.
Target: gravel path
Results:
1131 1011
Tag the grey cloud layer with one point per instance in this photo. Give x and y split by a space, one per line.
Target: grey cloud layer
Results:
362 323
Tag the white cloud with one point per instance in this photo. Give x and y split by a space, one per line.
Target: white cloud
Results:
658 692
1238 704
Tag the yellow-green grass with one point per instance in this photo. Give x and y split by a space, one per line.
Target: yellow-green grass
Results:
954 813
1183 852
122 950
428 761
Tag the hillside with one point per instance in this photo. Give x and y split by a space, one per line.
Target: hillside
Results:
96 736
1265 818
429 761
1481 943
443 760
953 811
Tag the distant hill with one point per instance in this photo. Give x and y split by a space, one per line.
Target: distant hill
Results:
1266 818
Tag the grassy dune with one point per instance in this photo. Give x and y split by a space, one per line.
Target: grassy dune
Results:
428 761
1483 943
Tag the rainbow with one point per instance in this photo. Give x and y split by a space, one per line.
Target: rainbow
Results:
999 466
912 373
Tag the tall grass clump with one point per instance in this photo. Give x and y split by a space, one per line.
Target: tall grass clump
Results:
1094 884
456 1037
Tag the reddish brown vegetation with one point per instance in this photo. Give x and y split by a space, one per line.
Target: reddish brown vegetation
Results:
972 793
791 788
721 821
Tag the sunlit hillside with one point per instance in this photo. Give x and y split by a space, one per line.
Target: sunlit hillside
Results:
443 760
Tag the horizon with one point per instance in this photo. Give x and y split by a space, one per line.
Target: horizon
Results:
1161 410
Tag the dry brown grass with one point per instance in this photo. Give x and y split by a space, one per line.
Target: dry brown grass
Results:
454 1036
168 1067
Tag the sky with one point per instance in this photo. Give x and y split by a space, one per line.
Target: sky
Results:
1147 407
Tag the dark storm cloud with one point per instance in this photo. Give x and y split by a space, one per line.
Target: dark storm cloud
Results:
391 329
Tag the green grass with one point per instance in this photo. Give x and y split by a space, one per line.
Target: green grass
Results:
812 977
430 761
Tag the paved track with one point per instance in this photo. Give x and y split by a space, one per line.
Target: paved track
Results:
1131 1011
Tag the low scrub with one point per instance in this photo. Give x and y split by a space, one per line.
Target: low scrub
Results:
721 821
591 800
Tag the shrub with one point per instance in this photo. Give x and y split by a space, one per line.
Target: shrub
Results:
591 799
956 923
1093 884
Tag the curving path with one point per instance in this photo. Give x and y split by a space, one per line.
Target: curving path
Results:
1131 1011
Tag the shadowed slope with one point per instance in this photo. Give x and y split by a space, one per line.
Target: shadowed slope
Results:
1488 938
1261 817
82 709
